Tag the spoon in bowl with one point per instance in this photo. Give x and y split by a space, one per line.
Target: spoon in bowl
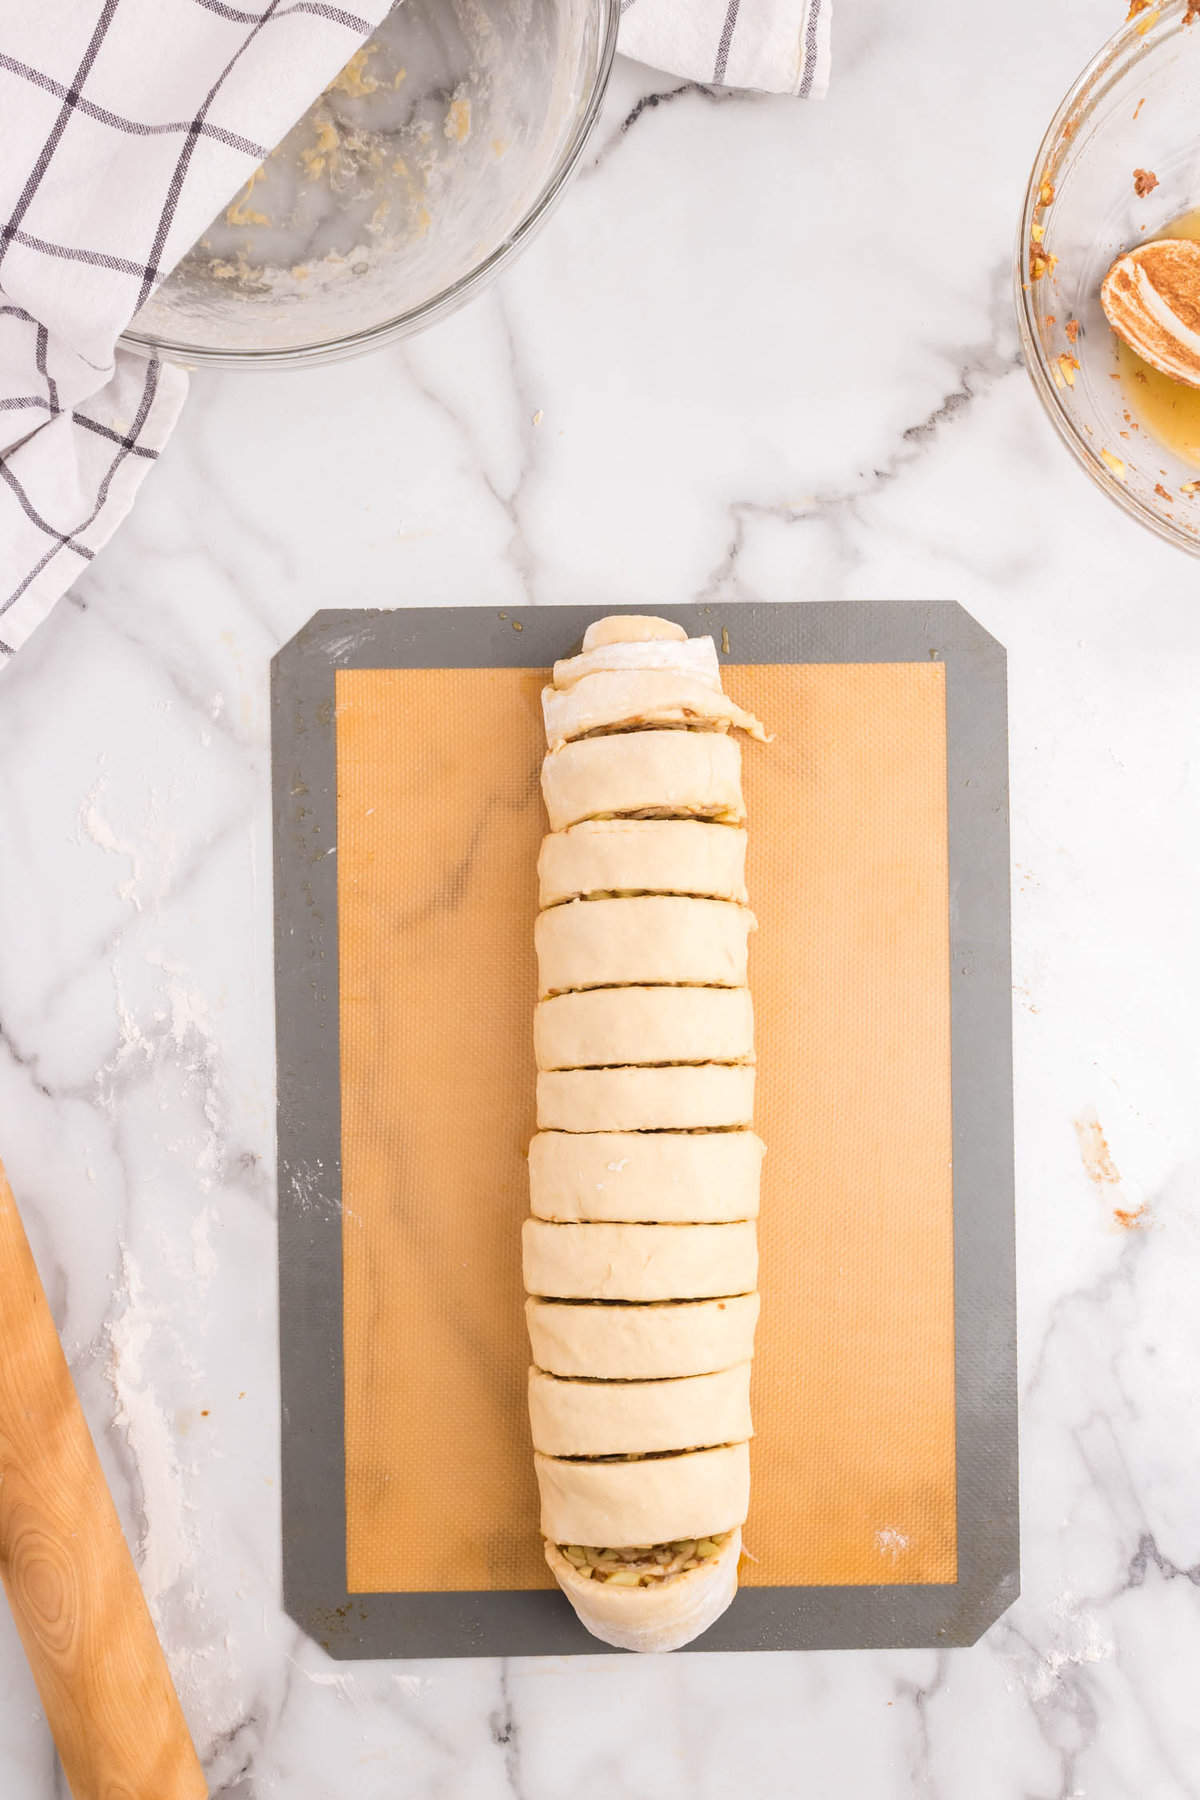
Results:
1151 298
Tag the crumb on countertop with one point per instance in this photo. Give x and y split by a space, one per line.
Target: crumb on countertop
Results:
1072 330
1144 182
1094 1152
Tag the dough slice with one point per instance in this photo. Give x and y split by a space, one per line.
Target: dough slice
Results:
654 1500
632 628
617 1418
639 1262
662 1617
643 856
696 657
627 1025
709 1097
658 773
640 1343
644 940
631 699
673 1177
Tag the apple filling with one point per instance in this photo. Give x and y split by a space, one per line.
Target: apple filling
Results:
645 1564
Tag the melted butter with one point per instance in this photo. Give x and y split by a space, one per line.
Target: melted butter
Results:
1169 410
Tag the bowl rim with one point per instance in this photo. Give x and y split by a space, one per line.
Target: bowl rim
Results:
1132 36
448 299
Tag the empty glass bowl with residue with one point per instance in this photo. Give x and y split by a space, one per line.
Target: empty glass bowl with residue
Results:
414 178
1119 163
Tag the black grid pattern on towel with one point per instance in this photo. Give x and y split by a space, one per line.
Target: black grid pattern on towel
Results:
809 43
19 228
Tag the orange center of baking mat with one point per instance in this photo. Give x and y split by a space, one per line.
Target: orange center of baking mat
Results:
439 821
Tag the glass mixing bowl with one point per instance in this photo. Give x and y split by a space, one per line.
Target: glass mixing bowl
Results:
1137 106
413 179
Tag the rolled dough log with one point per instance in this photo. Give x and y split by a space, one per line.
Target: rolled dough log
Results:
663 1617
652 1501
614 1026
616 1418
712 1096
643 856
646 939
640 1343
641 1253
639 1262
659 773
632 699
632 628
696 657
670 1176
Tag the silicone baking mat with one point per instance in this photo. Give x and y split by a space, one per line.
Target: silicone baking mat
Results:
407 748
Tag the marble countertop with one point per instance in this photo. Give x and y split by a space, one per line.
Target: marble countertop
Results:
764 349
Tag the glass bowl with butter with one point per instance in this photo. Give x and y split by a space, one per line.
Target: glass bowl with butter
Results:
412 180
1119 166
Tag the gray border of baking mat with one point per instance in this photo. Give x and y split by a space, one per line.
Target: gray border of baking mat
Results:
309 1124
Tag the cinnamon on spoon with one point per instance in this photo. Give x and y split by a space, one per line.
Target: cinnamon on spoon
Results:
1151 298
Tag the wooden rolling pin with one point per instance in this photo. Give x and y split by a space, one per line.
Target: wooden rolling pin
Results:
70 1578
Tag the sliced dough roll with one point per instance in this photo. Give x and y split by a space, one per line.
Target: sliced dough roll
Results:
639 1262
643 856
665 1616
643 940
654 772
617 1418
655 1500
632 628
705 1097
614 1026
632 699
641 1343
672 1177
696 657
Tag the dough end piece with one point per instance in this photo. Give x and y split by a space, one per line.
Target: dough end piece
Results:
631 628
651 1619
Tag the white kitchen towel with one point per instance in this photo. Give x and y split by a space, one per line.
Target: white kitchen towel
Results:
779 46
127 126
